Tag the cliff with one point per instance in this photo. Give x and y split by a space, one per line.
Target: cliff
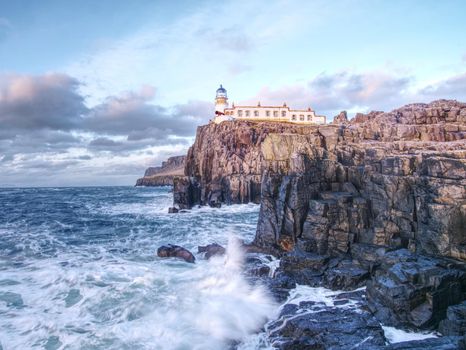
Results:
164 174
224 165
376 201
394 179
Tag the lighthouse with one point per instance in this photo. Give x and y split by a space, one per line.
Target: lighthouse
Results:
221 100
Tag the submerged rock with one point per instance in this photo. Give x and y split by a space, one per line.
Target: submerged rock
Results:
175 251
211 250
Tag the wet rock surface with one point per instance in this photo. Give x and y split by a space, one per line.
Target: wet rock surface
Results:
338 321
415 291
211 250
175 251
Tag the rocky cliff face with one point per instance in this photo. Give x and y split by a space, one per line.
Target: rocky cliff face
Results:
163 175
376 201
394 179
225 163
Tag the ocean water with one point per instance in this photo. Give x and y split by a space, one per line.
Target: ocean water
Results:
78 270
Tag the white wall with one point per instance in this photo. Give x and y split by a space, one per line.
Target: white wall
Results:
275 113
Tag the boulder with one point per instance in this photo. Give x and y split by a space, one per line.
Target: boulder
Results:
175 251
211 250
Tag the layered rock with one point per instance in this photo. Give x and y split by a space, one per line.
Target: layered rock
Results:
390 179
224 165
163 175
379 200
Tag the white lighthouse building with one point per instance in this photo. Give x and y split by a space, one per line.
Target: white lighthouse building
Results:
262 113
221 104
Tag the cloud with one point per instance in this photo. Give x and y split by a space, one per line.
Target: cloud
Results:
127 147
39 141
47 130
134 115
329 93
370 90
451 88
49 101
190 54
232 39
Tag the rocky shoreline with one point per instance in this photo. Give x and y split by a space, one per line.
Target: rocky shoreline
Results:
377 202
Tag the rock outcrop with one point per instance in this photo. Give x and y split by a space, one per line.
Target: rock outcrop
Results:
379 200
210 250
175 251
225 163
390 179
164 174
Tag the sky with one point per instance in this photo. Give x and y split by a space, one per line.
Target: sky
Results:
94 92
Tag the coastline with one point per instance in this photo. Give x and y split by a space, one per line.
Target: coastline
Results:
375 202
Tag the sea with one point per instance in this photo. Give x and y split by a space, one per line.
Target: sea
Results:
79 270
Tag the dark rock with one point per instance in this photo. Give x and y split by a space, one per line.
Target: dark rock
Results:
173 210
414 290
186 192
211 250
345 276
318 326
280 286
455 323
368 256
175 251
388 179
443 343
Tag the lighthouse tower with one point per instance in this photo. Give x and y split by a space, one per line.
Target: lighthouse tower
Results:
221 102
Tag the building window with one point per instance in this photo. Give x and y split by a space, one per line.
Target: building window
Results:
267 113
247 113
301 117
275 114
309 118
283 114
240 113
256 113
293 117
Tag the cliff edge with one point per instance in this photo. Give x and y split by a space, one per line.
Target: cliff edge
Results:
163 175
